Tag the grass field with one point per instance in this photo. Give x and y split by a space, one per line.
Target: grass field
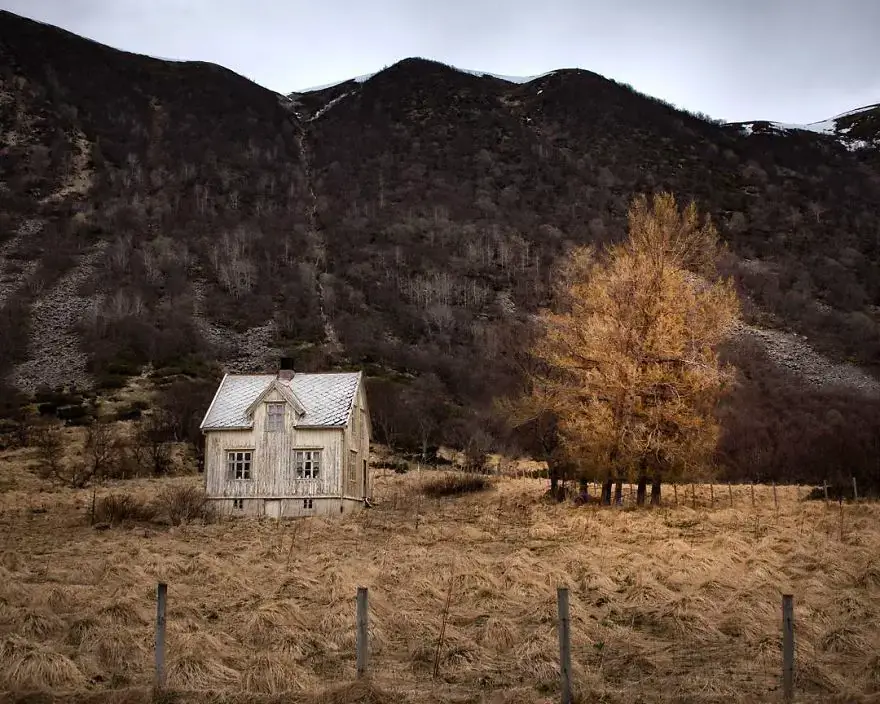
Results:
669 604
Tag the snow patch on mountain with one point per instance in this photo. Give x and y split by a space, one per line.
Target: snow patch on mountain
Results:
827 127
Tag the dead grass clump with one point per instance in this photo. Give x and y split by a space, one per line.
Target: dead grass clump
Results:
119 653
498 634
200 661
124 613
265 623
273 673
36 625
456 484
120 508
30 666
185 504
81 631
359 692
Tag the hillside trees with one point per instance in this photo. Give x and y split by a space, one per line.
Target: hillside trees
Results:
628 362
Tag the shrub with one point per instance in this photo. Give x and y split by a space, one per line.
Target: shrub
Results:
183 504
456 483
399 466
117 508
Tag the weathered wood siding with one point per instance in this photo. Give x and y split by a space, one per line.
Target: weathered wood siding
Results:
291 508
272 470
357 449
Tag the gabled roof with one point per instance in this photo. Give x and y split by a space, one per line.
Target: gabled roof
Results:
326 398
286 393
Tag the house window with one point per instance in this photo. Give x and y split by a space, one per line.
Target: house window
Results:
238 462
307 503
351 471
238 504
274 417
307 463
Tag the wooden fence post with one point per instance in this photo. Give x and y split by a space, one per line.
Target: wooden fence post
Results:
730 491
694 497
675 491
711 494
161 598
564 644
775 499
825 486
362 626
752 487
855 490
787 647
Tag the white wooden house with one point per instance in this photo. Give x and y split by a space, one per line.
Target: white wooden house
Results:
288 444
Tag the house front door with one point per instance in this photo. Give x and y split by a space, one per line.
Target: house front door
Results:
272 508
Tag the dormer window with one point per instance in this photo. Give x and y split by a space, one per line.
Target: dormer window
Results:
275 417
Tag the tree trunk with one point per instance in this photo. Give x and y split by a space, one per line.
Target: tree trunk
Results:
642 490
655 492
618 492
606 492
553 473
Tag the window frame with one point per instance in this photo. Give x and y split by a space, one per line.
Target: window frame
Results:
246 464
352 471
272 418
308 504
238 504
315 453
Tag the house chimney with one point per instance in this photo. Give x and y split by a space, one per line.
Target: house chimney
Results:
285 371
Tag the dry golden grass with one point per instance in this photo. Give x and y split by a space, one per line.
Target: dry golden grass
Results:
670 604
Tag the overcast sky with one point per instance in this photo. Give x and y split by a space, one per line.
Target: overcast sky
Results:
785 60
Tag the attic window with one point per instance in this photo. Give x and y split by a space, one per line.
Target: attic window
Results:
274 417
307 463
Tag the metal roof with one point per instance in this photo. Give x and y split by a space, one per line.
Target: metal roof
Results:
327 398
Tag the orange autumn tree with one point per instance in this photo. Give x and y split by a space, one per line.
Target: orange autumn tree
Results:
629 360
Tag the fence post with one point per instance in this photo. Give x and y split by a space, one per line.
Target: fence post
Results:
752 487
825 486
694 497
855 490
564 644
712 494
161 598
675 491
775 500
730 491
362 624
787 647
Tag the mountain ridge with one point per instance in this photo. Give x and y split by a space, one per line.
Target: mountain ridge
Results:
827 126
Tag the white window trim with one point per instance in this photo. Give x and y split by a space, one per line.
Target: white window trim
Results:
320 468
250 464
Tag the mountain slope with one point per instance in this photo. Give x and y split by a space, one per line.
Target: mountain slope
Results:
168 214
855 129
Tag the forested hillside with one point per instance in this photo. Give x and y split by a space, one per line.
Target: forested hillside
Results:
179 219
